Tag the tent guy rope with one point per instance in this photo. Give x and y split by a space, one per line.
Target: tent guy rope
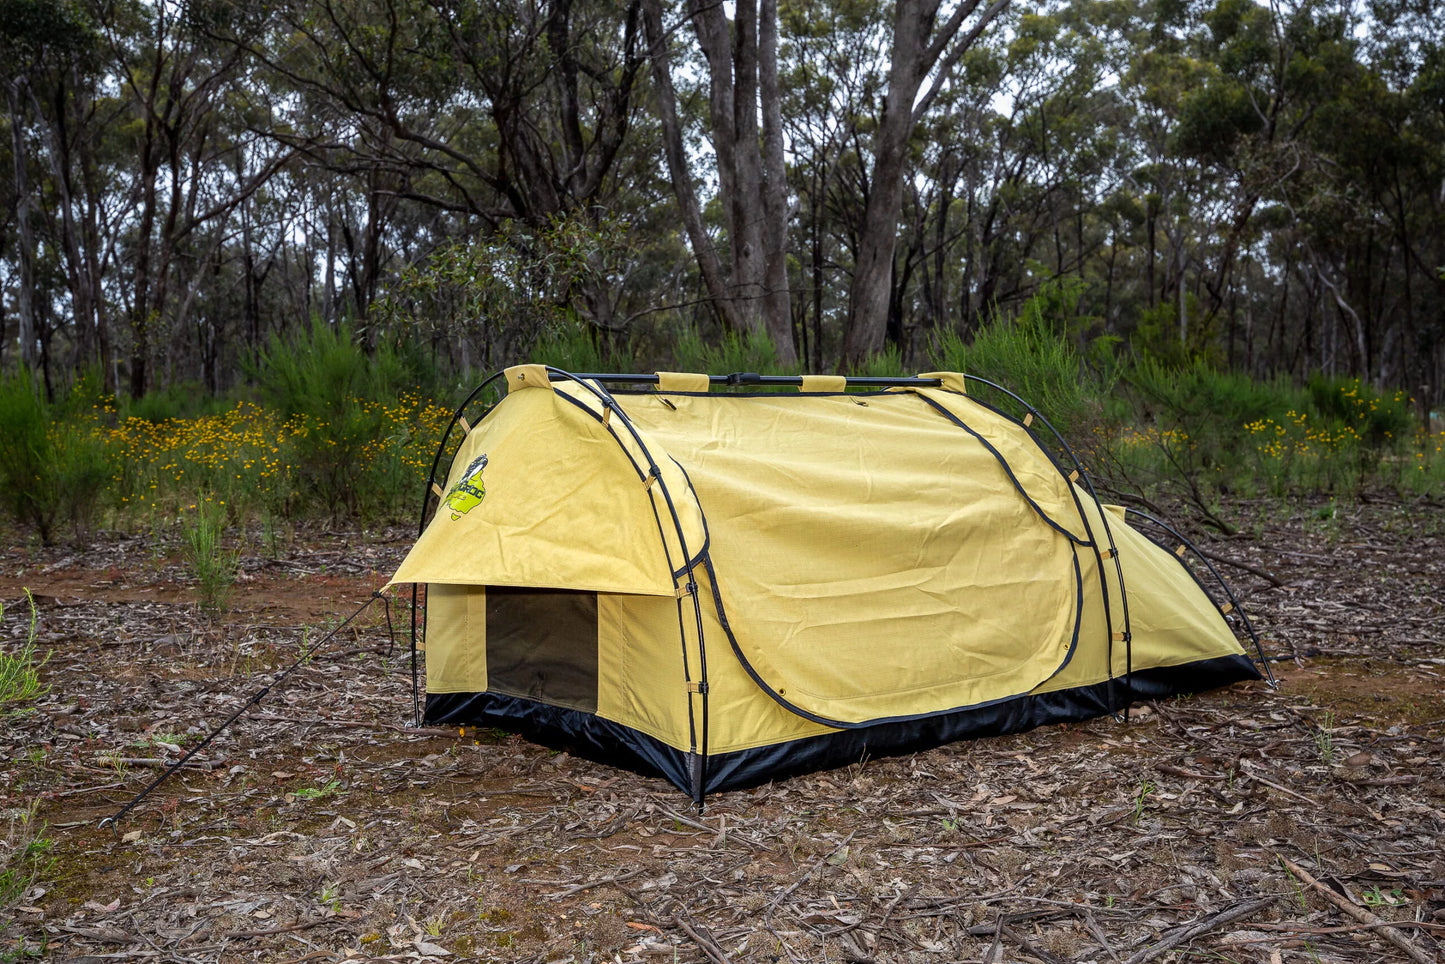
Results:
114 821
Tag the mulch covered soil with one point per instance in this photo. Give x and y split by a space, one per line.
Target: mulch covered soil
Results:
1245 824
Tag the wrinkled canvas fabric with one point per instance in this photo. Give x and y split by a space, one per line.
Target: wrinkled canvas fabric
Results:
857 558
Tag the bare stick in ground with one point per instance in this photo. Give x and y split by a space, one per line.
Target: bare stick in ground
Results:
1387 931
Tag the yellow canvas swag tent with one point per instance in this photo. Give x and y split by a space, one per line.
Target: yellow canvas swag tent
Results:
723 587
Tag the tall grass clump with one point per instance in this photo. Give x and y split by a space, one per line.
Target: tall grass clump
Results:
213 565
25 858
336 399
20 671
54 464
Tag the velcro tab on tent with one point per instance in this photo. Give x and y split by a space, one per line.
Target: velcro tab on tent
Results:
466 426
1227 608
682 382
437 489
527 376
1028 419
824 383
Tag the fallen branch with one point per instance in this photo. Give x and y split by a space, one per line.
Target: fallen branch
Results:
600 882
1189 932
1388 929
700 936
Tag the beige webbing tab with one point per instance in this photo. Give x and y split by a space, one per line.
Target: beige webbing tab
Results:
1120 637
1180 551
1074 476
607 415
650 479
1028 419
437 489
466 426
527 376
948 381
1109 553
682 382
694 686
824 383
1227 608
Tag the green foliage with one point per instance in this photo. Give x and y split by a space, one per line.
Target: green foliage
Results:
886 364
211 563
510 294
182 400
25 858
1034 355
574 348
49 471
20 671
334 396
1380 418
750 351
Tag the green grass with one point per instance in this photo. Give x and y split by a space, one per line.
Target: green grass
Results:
25 859
213 565
20 671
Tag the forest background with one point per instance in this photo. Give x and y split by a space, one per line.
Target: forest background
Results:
247 250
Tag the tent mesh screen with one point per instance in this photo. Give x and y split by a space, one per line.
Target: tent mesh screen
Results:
542 645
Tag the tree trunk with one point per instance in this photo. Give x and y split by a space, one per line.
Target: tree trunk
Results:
15 90
703 249
777 313
873 274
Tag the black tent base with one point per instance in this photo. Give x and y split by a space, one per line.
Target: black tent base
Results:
604 741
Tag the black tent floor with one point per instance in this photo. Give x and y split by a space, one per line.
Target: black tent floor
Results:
586 735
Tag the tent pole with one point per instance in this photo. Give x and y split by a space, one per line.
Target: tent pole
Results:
1228 593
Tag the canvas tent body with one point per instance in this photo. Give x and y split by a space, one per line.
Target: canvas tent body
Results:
722 588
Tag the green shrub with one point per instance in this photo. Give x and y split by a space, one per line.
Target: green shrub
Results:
1034 354
213 565
575 348
886 364
750 351
1381 419
337 400
184 400
49 471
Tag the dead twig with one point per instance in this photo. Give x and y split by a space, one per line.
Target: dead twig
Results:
700 935
599 882
1388 929
1189 932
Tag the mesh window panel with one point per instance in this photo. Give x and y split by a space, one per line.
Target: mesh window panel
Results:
542 645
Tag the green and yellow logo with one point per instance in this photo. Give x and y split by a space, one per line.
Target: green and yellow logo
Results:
469 491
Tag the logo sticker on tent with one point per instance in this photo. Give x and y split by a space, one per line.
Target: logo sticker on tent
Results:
469 491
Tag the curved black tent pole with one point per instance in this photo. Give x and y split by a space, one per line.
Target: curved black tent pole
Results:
431 480
1128 636
653 473
1224 586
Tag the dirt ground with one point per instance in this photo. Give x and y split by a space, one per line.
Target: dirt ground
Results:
1244 824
